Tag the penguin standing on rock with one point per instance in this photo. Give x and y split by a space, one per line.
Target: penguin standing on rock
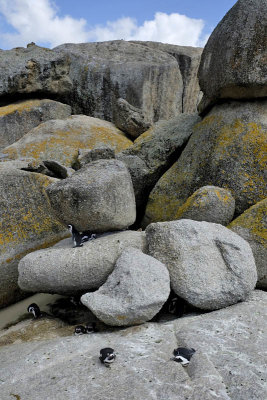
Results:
79 238
107 356
79 330
35 310
183 355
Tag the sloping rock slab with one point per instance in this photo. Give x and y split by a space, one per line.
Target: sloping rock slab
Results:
252 226
99 197
68 368
233 340
66 270
134 292
60 140
19 118
209 265
27 222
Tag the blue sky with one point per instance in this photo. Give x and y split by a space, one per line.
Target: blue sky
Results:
52 22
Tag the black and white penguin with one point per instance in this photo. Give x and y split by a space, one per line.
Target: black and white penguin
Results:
183 355
35 310
79 238
176 306
91 328
107 356
80 330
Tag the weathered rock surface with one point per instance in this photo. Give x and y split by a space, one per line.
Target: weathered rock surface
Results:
67 367
188 59
86 156
66 270
140 175
252 226
134 292
229 362
60 140
233 341
210 204
227 149
91 77
19 118
98 197
233 62
130 119
158 148
209 265
27 223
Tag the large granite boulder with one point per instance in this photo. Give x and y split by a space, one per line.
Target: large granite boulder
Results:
230 343
91 77
227 149
134 292
209 203
99 197
158 147
19 118
210 266
60 140
233 63
66 270
27 223
188 59
229 362
66 368
252 226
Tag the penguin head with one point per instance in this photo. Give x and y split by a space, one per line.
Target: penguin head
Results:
34 309
70 227
79 330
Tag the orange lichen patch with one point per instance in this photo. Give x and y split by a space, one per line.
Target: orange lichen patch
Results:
63 146
19 107
254 221
27 219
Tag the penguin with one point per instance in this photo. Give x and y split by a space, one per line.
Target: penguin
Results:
35 310
91 328
79 238
83 330
183 355
79 330
176 306
107 356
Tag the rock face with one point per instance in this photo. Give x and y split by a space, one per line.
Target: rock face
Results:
66 270
130 119
27 223
229 362
227 149
158 148
134 292
210 204
252 226
91 77
210 267
188 59
231 340
60 140
19 118
233 62
98 197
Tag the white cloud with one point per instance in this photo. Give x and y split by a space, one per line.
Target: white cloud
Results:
38 21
